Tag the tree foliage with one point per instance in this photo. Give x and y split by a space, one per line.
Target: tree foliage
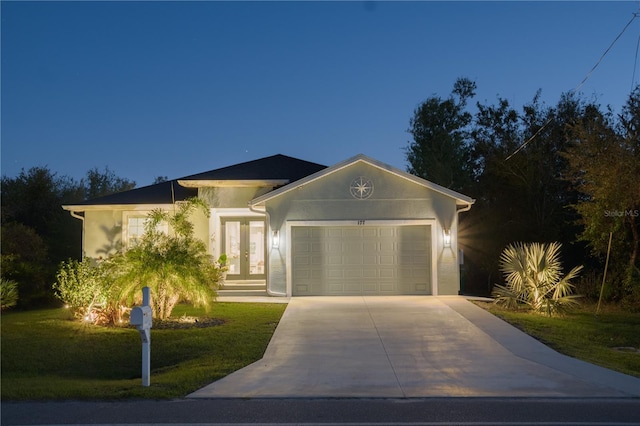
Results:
25 261
439 151
100 183
575 177
605 167
37 234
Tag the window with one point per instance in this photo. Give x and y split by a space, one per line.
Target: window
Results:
135 229
135 226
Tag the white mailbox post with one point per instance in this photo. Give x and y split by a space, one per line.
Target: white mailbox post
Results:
141 317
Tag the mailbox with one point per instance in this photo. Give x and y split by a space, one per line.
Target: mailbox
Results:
141 317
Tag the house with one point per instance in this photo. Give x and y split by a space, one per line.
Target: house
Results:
299 228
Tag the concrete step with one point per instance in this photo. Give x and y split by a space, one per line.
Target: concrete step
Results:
244 285
241 293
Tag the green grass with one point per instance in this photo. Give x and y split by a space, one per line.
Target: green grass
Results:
581 335
47 355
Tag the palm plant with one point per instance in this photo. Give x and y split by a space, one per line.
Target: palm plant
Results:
533 275
8 293
175 266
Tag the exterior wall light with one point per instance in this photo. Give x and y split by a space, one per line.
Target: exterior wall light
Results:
447 237
275 239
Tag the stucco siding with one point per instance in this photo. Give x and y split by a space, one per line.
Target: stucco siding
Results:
230 197
102 233
393 199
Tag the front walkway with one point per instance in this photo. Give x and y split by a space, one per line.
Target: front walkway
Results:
409 346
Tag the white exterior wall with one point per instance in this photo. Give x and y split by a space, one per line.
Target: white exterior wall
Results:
104 230
102 233
394 200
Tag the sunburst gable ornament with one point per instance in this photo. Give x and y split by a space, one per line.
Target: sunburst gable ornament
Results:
361 188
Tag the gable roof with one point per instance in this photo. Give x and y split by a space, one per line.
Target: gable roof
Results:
160 193
276 170
461 200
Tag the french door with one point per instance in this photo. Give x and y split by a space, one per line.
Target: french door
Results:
244 244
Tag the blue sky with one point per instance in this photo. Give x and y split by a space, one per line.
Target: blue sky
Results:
172 88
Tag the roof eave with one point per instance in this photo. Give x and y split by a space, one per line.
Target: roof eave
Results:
461 199
247 183
98 207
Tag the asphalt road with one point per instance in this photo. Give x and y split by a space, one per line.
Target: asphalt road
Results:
428 411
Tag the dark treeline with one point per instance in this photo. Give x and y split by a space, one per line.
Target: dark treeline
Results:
568 173
37 234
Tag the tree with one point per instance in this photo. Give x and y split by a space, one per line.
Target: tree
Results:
521 196
439 151
37 234
174 265
605 167
98 184
533 273
25 261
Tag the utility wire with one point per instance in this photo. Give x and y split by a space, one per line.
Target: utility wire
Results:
521 147
635 63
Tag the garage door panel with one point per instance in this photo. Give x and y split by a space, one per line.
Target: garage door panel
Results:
387 273
370 260
387 260
353 273
361 260
335 273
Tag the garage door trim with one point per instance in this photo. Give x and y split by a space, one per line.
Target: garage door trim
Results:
336 223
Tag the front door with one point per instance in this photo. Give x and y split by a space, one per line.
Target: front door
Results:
244 245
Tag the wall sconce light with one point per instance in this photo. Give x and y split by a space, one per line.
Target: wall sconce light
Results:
447 237
275 239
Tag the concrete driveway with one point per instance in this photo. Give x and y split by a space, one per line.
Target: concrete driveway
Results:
409 346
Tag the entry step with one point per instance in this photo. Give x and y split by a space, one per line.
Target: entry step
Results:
244 285
240 293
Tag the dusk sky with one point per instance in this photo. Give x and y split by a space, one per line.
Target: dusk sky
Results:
178 88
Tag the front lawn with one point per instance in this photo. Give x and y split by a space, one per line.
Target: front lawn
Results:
46 355
611 340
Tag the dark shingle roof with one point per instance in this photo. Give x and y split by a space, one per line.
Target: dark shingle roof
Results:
160 193
274 167
278 167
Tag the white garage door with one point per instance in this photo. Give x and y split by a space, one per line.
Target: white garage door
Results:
369 260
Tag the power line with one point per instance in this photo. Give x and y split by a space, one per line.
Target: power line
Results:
521 147
635 63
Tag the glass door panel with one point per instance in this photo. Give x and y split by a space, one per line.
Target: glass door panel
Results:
256 247
232 239
244 245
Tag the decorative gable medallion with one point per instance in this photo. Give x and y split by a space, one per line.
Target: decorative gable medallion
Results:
361 188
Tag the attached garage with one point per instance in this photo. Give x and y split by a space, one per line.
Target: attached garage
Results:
361 260
361 227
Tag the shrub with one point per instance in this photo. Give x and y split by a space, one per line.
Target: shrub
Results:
83 287
533 275
8 293
175 266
